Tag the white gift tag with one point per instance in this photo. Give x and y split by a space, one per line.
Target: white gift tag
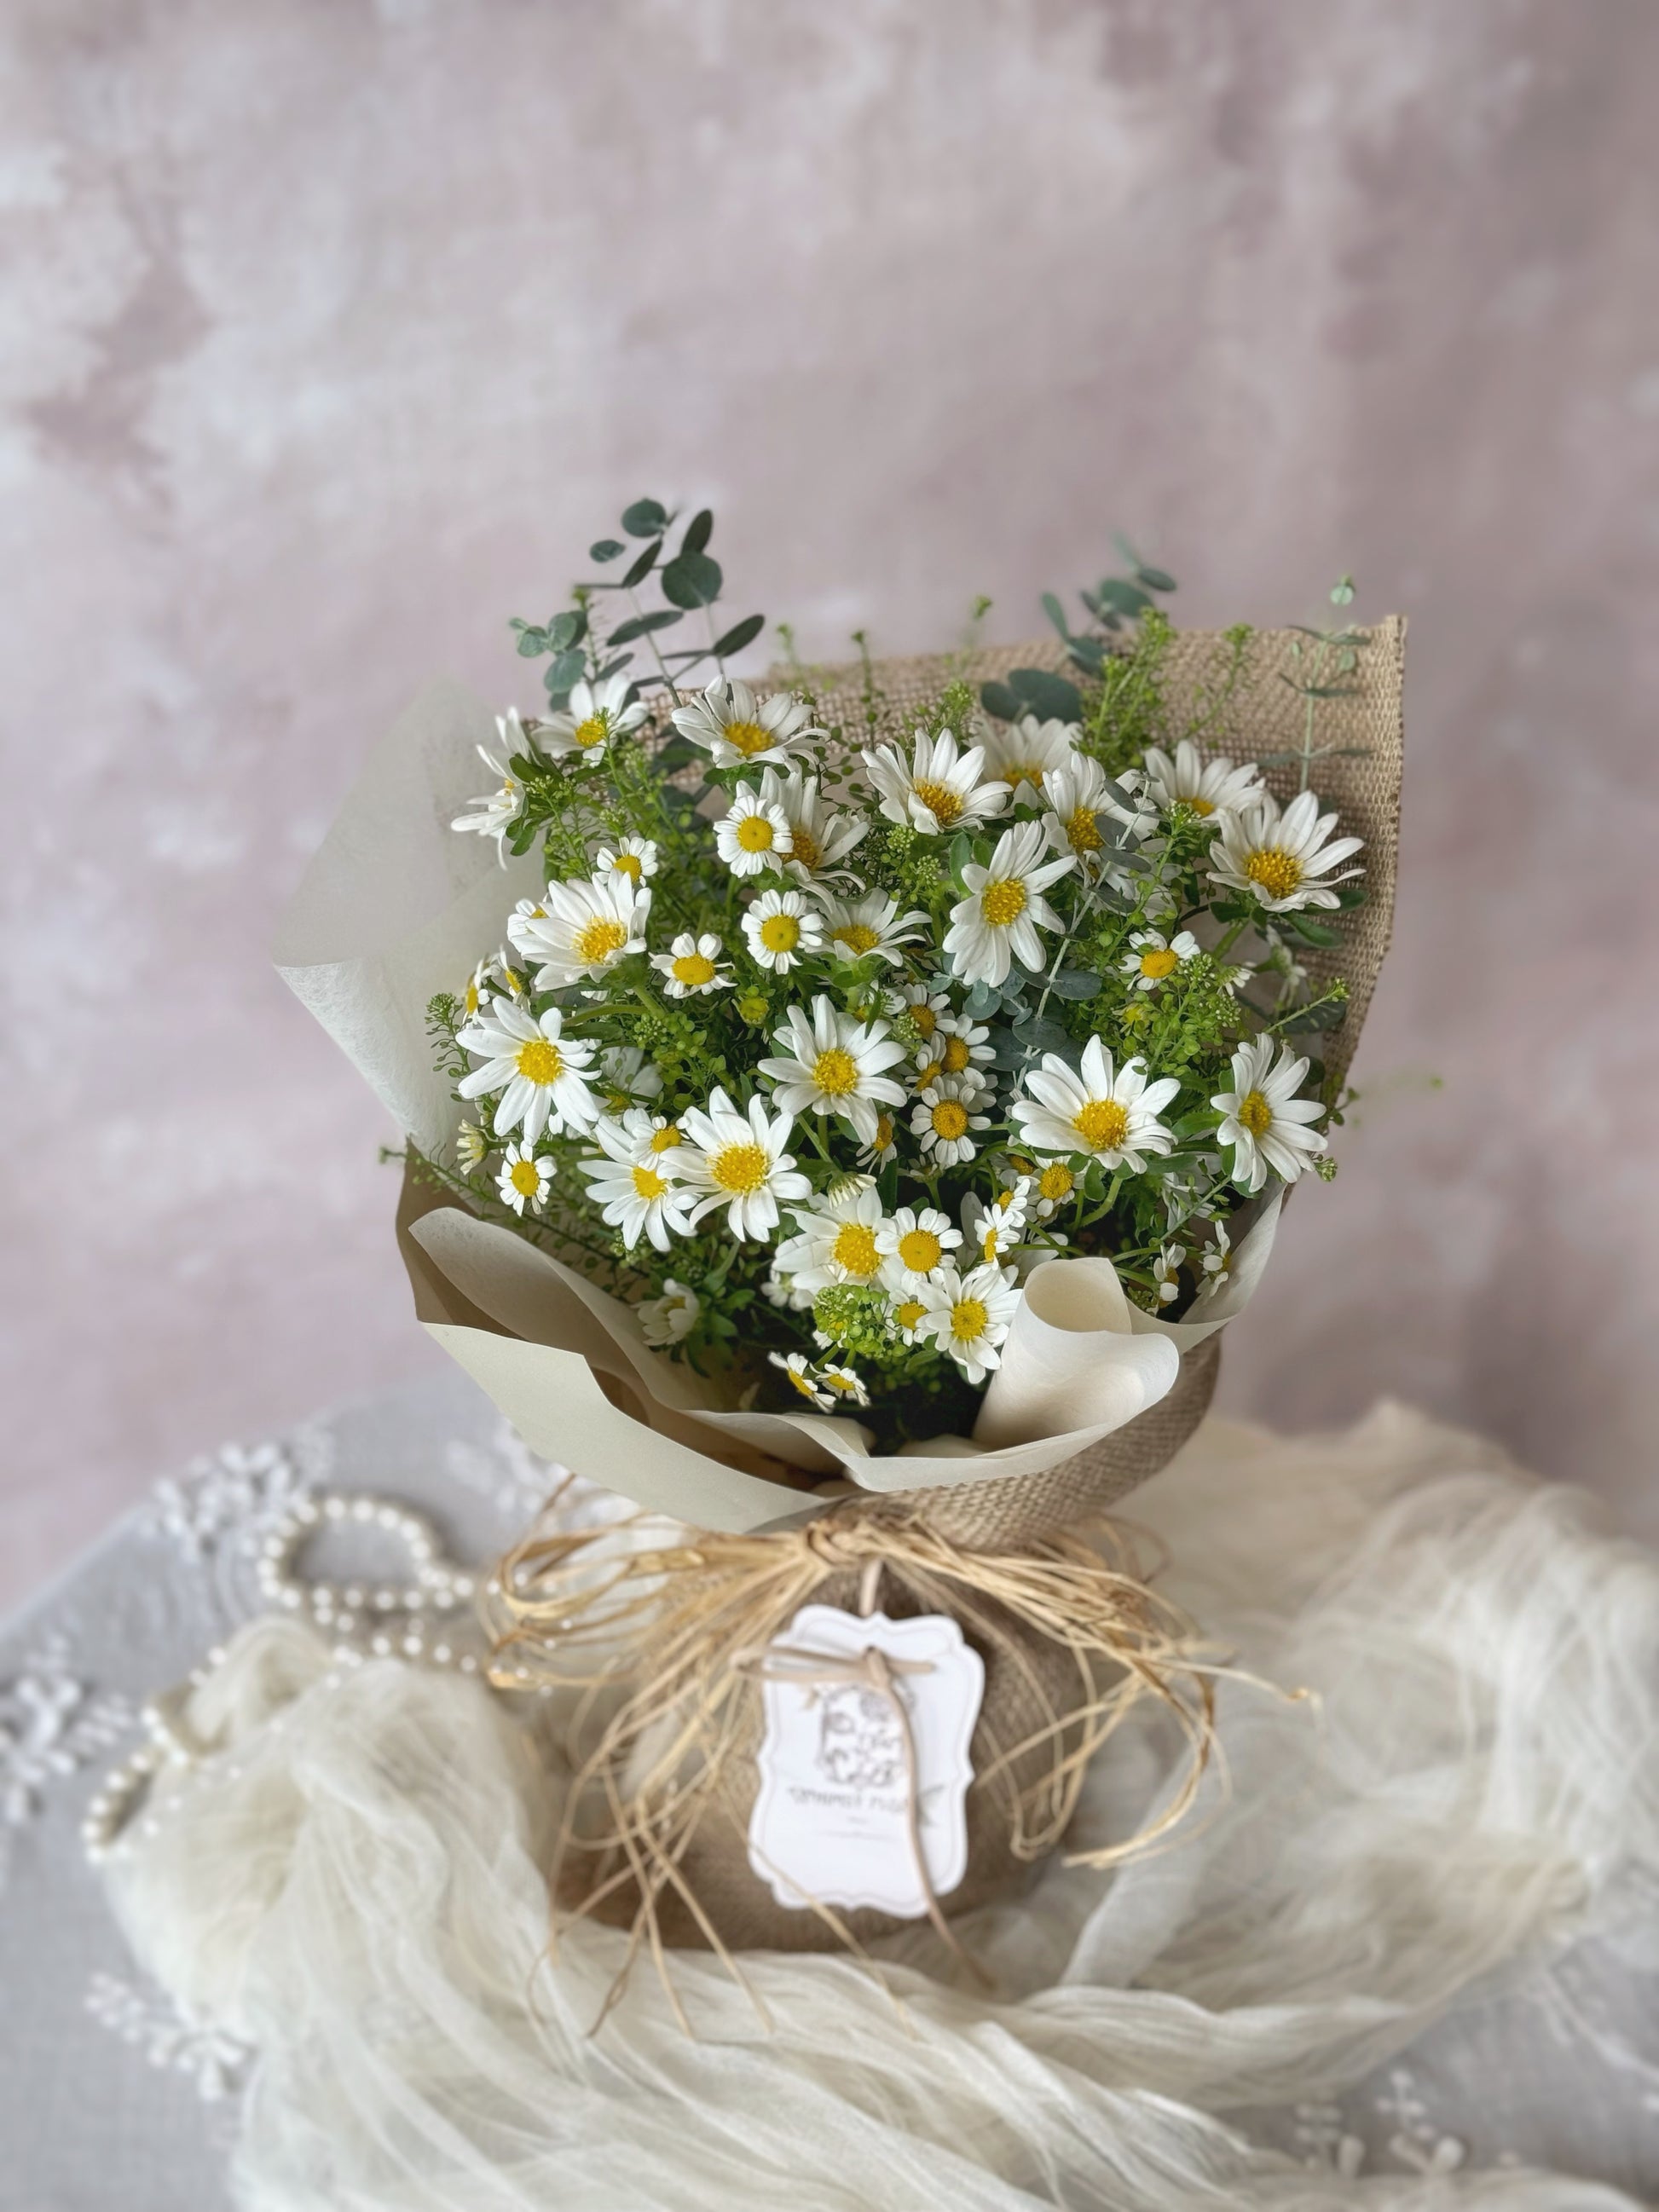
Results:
831 1823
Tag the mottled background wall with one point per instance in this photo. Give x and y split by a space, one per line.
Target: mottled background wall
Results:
332 331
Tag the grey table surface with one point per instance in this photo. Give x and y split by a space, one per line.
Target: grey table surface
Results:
109 2098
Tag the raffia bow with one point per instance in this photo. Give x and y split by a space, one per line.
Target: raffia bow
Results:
661 1641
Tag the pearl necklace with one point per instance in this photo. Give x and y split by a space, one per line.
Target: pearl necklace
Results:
371 1621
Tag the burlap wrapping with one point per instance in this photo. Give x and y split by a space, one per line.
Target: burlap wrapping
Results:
1029 1680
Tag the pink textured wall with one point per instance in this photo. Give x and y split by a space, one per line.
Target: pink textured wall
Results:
332 331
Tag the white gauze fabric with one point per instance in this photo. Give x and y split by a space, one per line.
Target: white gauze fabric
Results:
351 1884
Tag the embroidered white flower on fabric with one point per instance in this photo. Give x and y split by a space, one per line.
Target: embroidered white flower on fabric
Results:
998 922
858 928
835 1064
541 1074
633 857
839 1239
524 1180
472 1147
635 1185
969 1315
1166 1273
594 715
735 728
1080 814
739 1162
1283 859
1263 1120
692 966
1153 958
959 1046
671 1318
755 835
1213 787
493 814
1110 1117
946 1120
819 838
781 928
1028 752
584 929
843 1384
1217 1261
796 1369
913 1246
939 789
994 1231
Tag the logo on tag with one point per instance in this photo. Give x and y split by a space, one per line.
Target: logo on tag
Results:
863 1761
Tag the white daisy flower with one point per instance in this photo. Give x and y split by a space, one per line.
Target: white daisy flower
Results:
798 1370
1282 859
998 922
994 1231
593 717
474 993
833 1065
784 1292
819 839
738 1160
516 981
858 928
1052 1186
736 729
1217 1261
913 1246
636 1188
1213 787
959 1046
754 835
1029 752
1263 1120
843 1384
910 1317
584 929
633 857
838 1239
781 927
1112 1118
1166 1273
494 813
671 1318
692 966
969 1315
1080 811
524 1180
1152 959
945 1120
472 1147
541 1074
881 1147
924 1007
938 790
628 1074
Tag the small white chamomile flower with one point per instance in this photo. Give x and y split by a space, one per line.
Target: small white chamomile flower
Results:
736 729
838 1239
796 1369
843 1384
968 1316
881 1147
1153 958
913 1246
1204 787
820 837
781 928
1107 1116
938 791
946 1120
627 1073
1283 859
959 1046
637 1188
583 929
1052 1186
1166 1273
494 813
737 1160
594 715
542 1075
910 1317
671 1318
1028 752
692 966
994 1231
926 1007
472 1147
998 922
858 928
633 857
1263 1120
1080 814
754 835
835 1064
524 1180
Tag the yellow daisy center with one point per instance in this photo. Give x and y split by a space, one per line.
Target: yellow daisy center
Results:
1255 1115
921 1250
515 981
988 1244
780 933
1102 1124
957 1056
855 1249
941 802
909 1313
590 732
1004 901
739 1167
804 846
926 1019
968 1319
858 937
950 1120
649 1184
526 1178
1278 872
884 1131
597 940
627 863
472 999
802 1382
1083 831
755 834
1055 1183
1025 772
1199 806
835 1072
540 1061
666 1138
693 968
1158 964
748 738
846 1384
